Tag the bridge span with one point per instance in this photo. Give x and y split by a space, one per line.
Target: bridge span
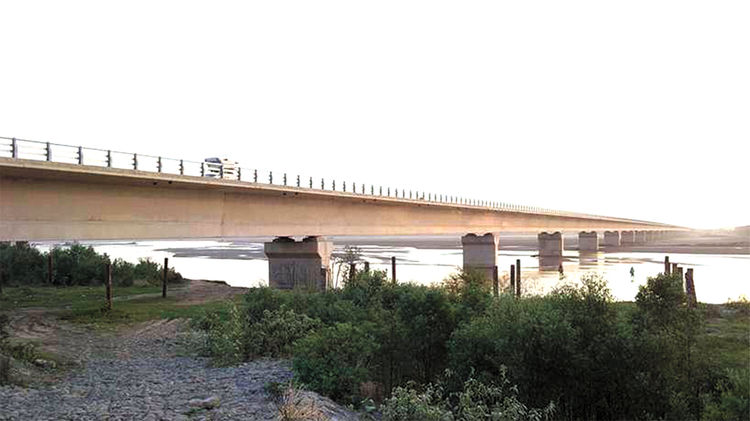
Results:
43 200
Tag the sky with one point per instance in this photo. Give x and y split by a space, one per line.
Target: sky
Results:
637 109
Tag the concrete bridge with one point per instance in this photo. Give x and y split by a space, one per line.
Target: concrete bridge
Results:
82 194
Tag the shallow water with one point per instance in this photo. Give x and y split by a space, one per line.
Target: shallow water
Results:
718 277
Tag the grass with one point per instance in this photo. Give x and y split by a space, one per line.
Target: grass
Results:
86 304
727 334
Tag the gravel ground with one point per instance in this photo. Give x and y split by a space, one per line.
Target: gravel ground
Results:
139 375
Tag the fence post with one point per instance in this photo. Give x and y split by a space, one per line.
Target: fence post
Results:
367 266
49 152
109 285
513 279
80 155
518 276
690 286
50 278
495 280
352 271
1 278
14 148
109 159
393 269
164 278
666 265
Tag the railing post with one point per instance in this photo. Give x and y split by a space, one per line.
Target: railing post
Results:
135 161
14 148
270 177
80 155
182 167
298 182
109 159
49 152
285 179
255 176
322 183
221 171
203 169
239 173
311 182
158 164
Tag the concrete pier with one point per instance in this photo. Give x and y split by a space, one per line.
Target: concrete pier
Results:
641 237
550 250
298 264
627 238
611 239
480 253
588 242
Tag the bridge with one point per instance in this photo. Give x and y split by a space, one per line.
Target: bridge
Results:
59 192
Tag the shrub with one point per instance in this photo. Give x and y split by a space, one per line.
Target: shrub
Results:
123 273
335 360
733 401
21 264
275 333
78 265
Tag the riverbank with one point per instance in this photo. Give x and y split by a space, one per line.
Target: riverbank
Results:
140 362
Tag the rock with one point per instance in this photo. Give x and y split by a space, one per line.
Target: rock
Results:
45 363
208 403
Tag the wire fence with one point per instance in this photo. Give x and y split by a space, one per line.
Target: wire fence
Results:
11 147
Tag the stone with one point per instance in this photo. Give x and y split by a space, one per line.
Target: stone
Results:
207 403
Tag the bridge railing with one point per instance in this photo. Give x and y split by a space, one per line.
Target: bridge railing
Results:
54 152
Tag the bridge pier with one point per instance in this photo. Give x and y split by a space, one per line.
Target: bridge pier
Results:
641 237
611 239
298 264
550 250
588 242
627 238
480 253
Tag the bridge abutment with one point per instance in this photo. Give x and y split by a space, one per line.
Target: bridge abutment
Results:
298 264
588 242
480 253
611 239
550 250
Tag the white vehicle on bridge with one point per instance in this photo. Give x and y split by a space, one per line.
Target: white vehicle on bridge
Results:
220 168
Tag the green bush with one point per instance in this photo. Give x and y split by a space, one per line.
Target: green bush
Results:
475 401
336 360
22 265
78 265
733 400
276 332
123 273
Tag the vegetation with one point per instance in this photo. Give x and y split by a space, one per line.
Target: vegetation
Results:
456 352
76 265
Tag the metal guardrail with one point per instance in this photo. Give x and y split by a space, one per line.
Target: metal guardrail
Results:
11 147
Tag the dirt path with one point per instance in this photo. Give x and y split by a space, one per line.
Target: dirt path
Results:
147 371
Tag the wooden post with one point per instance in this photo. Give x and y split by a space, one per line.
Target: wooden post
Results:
690 286
495 280
512 279
108 283
50 278
393 269
518 275
1 278
679 270
352 271
666 265
674 268
518 281
367 266
164 279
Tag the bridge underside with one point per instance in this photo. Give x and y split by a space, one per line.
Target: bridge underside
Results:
52 201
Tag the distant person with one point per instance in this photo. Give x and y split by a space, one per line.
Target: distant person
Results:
560 269
632 273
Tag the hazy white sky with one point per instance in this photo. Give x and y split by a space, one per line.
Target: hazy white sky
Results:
637 109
